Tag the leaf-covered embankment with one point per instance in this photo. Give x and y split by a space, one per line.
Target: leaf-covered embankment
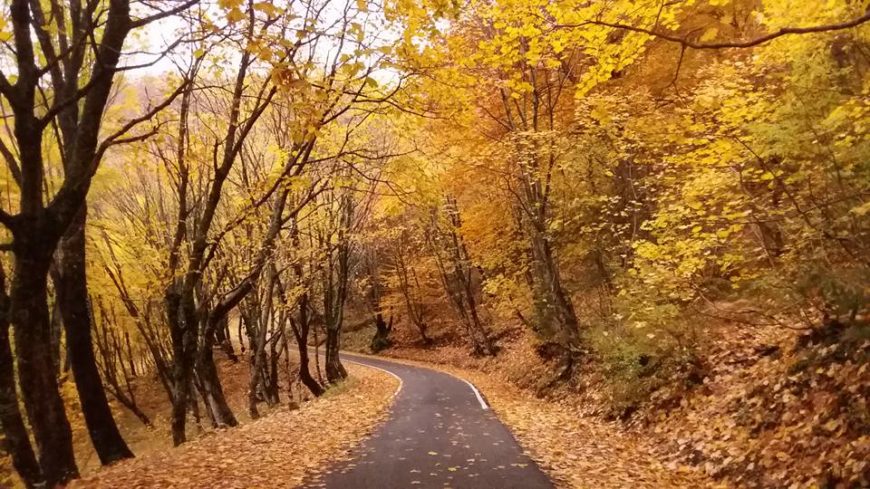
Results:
280 449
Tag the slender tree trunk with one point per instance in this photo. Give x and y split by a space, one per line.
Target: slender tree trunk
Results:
556 313
198 388
72 296
36 373
56 335
334 369
264 317
208 375
194 406
17 442
305 373
456 278
257 359
277 326
556 319
317 357
222 335
381 340
181 312
240 336
415 308
129 402
476 324
131 358
301 333
274 357
288 369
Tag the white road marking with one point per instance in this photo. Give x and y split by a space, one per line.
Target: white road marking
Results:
401 383
476 392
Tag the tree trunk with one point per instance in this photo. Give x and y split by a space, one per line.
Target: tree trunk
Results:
257 359
262 316
131 359
301 334
272 395
208 375
17 442
56 333
181 314
317 358
381 340
303 329
72 296
334 369
305 372
36 372
199 389
240 335
556 317
222 335
193 403
456 279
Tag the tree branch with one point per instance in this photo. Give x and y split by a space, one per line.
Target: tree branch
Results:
147 20
7 219
728 44
116 138
6 88
11 162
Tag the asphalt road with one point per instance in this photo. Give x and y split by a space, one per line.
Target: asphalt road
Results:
440 434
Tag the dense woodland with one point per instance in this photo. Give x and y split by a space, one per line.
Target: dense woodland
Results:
186 182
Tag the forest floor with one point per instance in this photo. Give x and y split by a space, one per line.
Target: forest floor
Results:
279 449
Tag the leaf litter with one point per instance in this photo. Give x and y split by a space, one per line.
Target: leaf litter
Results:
281 449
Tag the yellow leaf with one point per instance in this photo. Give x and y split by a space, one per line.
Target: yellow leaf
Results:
235 15
709 34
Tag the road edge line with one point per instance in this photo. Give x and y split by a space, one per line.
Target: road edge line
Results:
483 404
434 368
401 382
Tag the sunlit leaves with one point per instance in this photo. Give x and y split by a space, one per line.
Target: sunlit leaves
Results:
5 30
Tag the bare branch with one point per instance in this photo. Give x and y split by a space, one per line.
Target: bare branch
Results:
11 162
116 138
167 13
7 219
6 88
728 44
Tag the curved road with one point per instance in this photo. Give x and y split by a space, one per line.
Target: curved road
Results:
440 434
